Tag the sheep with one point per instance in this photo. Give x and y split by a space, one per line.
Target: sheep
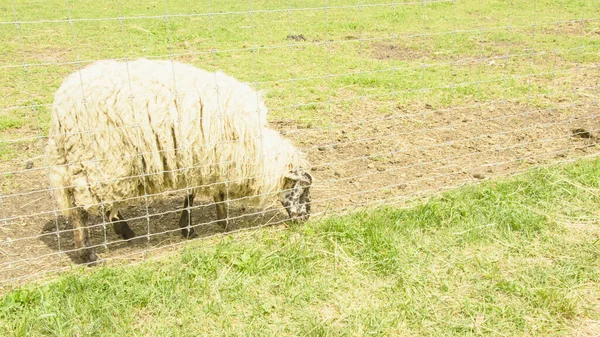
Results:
121 132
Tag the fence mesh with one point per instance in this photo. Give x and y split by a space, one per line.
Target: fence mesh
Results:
391 101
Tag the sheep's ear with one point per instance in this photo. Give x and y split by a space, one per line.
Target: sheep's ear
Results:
303 177
293 175
307 178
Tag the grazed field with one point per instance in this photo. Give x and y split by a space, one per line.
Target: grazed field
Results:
507 258
390 100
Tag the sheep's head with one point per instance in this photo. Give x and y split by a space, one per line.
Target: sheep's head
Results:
295 196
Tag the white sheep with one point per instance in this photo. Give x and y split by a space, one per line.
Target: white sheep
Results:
123 132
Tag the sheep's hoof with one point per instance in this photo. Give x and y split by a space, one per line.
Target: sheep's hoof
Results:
89 258
223 225
188 234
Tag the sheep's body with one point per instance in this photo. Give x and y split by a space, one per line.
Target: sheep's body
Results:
121 131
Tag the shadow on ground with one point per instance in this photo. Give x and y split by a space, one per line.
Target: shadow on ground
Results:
156 227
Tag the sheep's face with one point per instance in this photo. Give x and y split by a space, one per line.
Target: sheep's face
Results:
295 196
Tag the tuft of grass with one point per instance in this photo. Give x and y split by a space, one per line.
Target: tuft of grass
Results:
514 257
10 122
7 152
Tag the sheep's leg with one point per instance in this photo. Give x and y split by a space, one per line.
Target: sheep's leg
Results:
221 210
184 221
121 227
82 239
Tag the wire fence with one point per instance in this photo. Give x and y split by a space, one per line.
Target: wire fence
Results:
391 101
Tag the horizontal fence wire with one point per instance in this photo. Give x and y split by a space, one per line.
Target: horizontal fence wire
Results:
391 102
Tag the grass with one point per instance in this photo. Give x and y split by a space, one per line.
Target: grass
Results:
516 257
508 258
342 60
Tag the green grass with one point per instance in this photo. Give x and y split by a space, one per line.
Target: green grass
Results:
253 47
518 257
508 258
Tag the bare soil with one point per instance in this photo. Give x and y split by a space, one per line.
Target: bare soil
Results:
357 162
396 51
575 28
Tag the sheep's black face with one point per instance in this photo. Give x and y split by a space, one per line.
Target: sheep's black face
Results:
296 195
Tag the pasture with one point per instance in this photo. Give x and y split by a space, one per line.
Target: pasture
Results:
394 102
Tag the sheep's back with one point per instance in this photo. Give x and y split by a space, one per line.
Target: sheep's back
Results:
121 130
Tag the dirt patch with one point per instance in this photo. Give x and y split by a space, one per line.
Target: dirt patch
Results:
574 28
407 50
49 55
293 37
396 51
401 156
387 159
34 239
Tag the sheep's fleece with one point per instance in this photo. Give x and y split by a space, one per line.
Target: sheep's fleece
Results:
122 130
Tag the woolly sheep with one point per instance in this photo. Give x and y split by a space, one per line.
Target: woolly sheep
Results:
125 131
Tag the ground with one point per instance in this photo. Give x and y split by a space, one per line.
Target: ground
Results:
511 256
390 102
385 160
